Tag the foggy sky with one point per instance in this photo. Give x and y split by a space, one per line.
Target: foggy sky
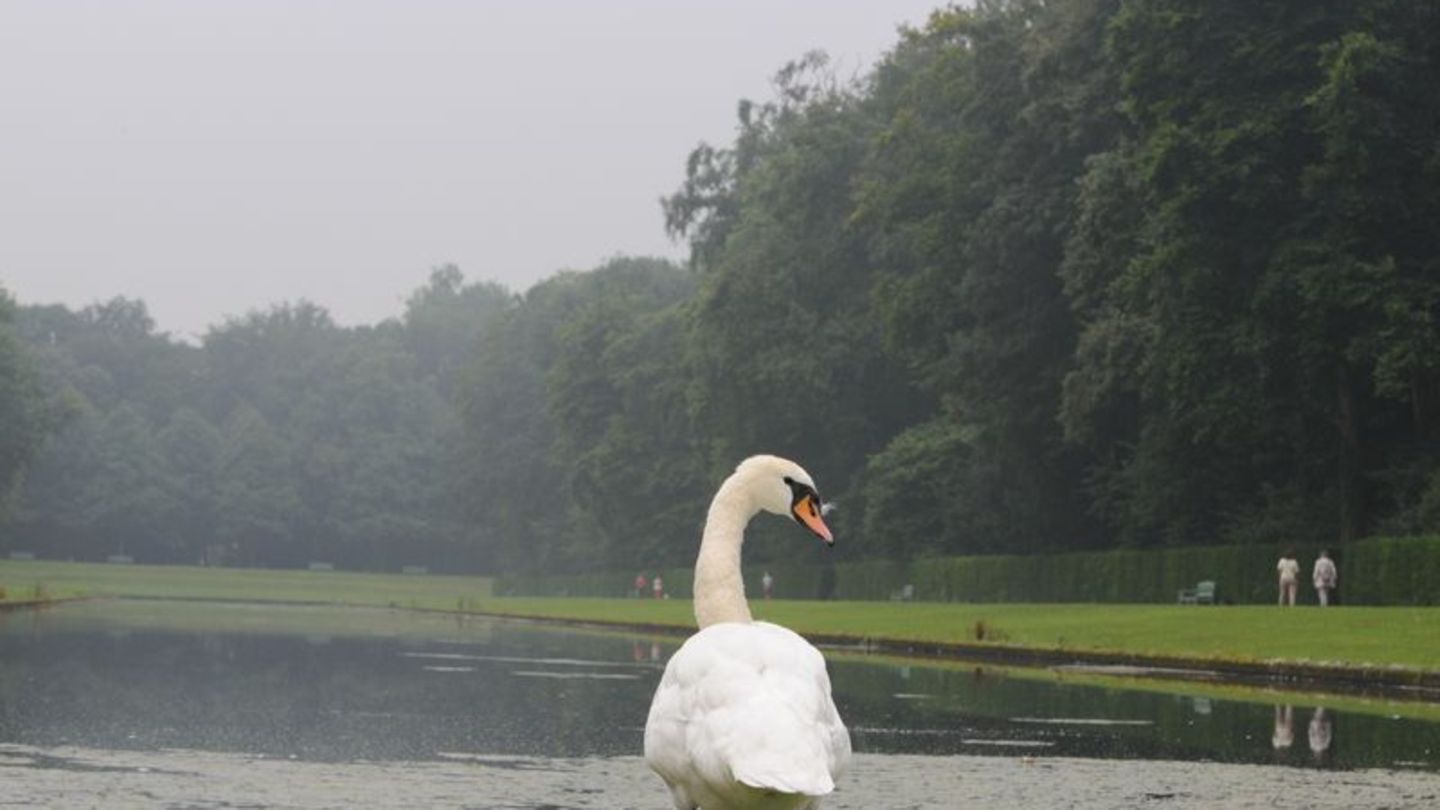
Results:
216 157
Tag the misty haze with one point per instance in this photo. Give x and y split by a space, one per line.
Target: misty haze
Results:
719 405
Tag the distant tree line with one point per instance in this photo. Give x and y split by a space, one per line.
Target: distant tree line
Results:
281 439
1052 276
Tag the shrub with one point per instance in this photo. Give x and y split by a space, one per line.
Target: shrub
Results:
1377 571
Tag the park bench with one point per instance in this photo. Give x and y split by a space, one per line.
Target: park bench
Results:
1202 594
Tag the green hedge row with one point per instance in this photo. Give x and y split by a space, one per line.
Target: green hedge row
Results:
1376 571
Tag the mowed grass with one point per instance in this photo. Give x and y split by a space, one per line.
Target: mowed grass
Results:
1372 636
63 579
1378 636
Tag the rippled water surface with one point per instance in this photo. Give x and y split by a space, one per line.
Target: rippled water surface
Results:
335 685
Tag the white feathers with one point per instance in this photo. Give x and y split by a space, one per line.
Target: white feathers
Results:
743 716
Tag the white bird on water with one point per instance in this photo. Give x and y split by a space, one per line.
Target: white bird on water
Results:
743 716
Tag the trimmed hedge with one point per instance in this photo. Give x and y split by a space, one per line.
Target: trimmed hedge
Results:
1377 571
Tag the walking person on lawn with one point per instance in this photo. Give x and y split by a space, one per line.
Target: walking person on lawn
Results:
1289 571
1325 577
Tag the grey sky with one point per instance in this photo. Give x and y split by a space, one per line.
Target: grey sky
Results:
215 157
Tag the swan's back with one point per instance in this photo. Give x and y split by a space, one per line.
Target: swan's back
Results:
743 718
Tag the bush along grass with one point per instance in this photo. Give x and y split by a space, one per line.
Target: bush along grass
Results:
1349 636
1378 571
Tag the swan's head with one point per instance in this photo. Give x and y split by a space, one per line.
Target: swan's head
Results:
782 487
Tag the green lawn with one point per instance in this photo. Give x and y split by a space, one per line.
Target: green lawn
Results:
1394 636
62 579
1400 636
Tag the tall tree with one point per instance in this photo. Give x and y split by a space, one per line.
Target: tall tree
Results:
190 449
445 318
784 345
968 197
257 501
1237 268
618 396
23 416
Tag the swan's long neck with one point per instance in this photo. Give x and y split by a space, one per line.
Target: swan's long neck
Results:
719 588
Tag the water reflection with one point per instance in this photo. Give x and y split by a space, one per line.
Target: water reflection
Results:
646 650
332 684
1284 734
949 710
1321 733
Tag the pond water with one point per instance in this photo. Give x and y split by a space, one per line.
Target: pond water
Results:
341 684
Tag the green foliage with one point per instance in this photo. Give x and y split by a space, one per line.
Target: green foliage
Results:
910 507
143 582
258 501
1236 254
967 198
190 451
283 439
23 418
1368 638
578 443
618 397
1383 571
1053 277
443 321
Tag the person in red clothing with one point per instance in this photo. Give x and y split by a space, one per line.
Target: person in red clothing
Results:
640 583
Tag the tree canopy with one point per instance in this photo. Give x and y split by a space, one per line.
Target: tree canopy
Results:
1050 276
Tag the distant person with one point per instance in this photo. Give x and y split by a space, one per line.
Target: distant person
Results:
1320 732
1289 577
1284 727
658 586
767 584
640 583
1325 577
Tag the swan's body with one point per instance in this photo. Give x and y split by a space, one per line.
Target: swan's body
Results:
743 716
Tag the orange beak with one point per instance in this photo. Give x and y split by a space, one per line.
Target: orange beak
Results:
807 511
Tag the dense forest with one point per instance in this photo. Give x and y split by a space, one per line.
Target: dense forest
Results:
1051 276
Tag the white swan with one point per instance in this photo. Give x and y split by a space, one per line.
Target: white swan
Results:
743 716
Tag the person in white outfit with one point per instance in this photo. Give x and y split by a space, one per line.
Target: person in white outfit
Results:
1325 577
1289 578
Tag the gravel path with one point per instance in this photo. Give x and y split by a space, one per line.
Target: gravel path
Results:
88 778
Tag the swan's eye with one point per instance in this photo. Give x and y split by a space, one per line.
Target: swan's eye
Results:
799 492
808 503
806 510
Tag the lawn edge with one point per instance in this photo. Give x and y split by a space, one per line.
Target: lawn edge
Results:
39 604
1393 681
